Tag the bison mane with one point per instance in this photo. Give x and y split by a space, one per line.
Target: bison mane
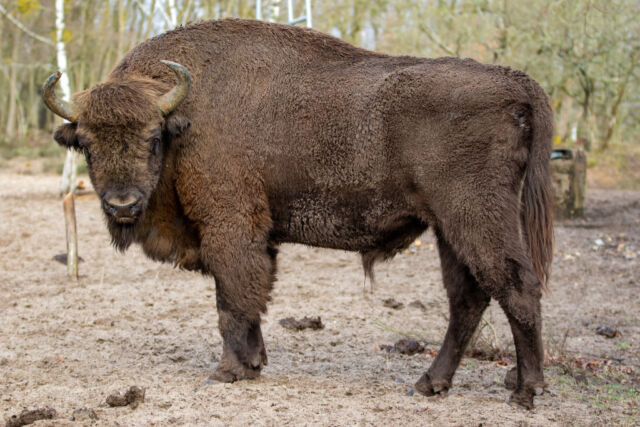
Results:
120 103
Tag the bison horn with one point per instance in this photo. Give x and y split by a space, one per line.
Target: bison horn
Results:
59 106
170 100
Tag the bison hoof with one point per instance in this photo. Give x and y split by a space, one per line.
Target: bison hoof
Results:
429 387
259 359
223 375
522 398
511 379
230 369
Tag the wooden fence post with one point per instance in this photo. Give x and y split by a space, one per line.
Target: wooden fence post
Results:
569 169
68 204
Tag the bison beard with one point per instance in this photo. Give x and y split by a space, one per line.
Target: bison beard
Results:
290 135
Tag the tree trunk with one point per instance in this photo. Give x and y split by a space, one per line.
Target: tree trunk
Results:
13 93
67 182
173 13
613 115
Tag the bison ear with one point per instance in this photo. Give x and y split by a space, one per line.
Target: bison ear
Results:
176 125
66 136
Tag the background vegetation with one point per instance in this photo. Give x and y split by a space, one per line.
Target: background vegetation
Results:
585 53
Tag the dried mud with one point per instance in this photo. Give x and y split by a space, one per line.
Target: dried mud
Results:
127 320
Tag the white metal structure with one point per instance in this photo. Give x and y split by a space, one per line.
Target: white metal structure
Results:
291 19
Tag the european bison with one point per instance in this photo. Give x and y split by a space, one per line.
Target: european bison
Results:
278 134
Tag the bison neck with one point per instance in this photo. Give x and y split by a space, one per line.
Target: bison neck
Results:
163 231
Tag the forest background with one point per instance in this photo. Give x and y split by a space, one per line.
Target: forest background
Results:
585 53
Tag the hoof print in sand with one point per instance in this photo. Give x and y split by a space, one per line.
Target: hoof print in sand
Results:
392 303
84 414
418 304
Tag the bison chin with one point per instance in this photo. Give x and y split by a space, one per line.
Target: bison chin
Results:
122 234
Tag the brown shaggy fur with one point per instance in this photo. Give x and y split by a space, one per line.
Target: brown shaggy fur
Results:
290 135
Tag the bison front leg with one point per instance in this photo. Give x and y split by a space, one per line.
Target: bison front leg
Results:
244 273
243 352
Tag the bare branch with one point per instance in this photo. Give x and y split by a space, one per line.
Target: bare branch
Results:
435 39
165 16
141 8
18 24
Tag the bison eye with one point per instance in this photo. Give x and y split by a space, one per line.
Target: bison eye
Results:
155 145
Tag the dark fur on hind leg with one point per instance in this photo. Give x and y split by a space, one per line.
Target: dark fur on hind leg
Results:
511 379
467 302
523 398
529 377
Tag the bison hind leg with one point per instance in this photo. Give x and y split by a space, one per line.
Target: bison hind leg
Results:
392 238
491 246
467 302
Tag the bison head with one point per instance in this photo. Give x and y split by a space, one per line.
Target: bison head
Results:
123 127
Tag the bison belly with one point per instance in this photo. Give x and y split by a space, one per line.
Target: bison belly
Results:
355 221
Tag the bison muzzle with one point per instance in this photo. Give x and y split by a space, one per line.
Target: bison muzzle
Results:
213 143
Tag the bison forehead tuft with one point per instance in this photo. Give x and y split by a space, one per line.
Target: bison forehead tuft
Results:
128 103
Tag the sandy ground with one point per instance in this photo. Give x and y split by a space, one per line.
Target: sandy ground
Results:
129 321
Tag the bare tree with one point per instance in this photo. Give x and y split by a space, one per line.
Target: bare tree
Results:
68 180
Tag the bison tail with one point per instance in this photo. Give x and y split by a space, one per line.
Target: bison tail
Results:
537 197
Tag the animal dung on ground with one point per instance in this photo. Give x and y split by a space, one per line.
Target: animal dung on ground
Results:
304 323
117 399
30 416
392 303
607 331
404 346
133 397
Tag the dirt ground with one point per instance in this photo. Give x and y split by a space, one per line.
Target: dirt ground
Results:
129 321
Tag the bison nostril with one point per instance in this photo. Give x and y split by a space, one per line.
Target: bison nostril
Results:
123 201
123 206
135 208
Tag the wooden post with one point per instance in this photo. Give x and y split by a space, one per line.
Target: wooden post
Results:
569 171
68 204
